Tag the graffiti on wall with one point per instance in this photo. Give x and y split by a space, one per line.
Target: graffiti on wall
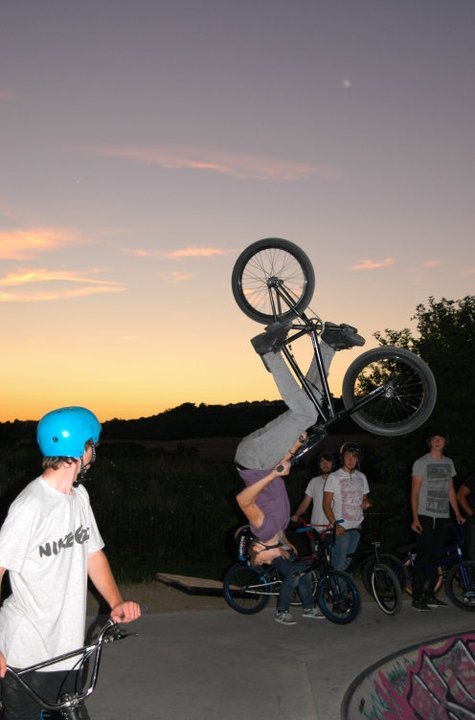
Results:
435 681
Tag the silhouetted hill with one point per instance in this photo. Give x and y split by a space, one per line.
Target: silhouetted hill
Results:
180 423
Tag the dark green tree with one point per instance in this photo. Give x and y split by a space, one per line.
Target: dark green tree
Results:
445 339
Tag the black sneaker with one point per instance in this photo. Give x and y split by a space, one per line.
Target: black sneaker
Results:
421 606
341 337
272 339
432 602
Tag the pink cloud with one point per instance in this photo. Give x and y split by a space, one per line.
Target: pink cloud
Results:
373 264
256 167
187 252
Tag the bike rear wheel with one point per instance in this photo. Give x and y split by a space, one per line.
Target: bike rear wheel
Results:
386 589
246 589
409 567
263 271
460 590
338 597
391 561
409 393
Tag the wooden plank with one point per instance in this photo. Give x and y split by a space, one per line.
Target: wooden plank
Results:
192 585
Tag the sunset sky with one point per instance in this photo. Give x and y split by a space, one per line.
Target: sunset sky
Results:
145 143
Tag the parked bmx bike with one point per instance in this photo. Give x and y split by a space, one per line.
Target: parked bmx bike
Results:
388 391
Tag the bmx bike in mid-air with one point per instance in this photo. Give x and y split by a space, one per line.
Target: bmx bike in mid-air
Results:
388 391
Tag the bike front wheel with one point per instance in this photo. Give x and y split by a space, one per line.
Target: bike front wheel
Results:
460 585
296 601
273 279
246 589
338 597
386 589
407 391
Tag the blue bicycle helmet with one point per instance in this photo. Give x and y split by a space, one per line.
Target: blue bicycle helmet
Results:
64 432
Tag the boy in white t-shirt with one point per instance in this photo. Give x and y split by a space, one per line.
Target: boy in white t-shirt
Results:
50 545
344 499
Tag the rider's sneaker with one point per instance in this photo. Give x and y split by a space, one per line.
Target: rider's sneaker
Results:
432 602
341 337
272 339
314 613
421 606
284 618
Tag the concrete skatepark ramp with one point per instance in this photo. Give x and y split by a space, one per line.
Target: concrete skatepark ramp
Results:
433 681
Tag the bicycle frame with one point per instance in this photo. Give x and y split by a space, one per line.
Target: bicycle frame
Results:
73 701
312 327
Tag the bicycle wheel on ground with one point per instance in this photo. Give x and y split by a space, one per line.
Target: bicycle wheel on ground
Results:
409 568
386 589
391 561
338 597
409 392
296 601
245 589
460 585
265 272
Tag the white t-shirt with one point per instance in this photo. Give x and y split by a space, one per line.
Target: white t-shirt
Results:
315 491
348 490
44 544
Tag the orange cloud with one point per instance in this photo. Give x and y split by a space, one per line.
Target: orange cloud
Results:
59 295
26 244
26 277
373 264
20 278
256 167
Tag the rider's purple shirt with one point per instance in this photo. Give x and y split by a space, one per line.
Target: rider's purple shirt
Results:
273 501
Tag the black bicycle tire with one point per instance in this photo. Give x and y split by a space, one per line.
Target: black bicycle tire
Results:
250 274
450 580
399 411
296 601
325 590
386 589
392 561
233 596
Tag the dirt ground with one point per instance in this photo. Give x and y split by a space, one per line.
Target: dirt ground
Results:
157 597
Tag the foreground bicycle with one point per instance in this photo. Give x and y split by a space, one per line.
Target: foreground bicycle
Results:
70 705
388 391
248 588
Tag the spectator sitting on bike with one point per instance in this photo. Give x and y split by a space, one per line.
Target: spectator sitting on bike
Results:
344 499
50 545
432 495
266 505
314 493
466 501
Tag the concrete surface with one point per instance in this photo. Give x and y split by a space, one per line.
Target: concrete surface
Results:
216 665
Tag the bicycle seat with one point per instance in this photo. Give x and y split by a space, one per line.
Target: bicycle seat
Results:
341 337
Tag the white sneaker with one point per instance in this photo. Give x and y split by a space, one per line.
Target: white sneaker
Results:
315 613
285 618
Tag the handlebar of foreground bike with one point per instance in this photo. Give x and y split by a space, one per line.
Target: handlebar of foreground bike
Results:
110 632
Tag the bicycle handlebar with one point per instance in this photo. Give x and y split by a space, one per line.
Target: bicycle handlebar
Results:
110 632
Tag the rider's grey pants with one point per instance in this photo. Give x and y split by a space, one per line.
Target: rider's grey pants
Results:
262 449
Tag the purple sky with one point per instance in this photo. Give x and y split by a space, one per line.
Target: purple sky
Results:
144 144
